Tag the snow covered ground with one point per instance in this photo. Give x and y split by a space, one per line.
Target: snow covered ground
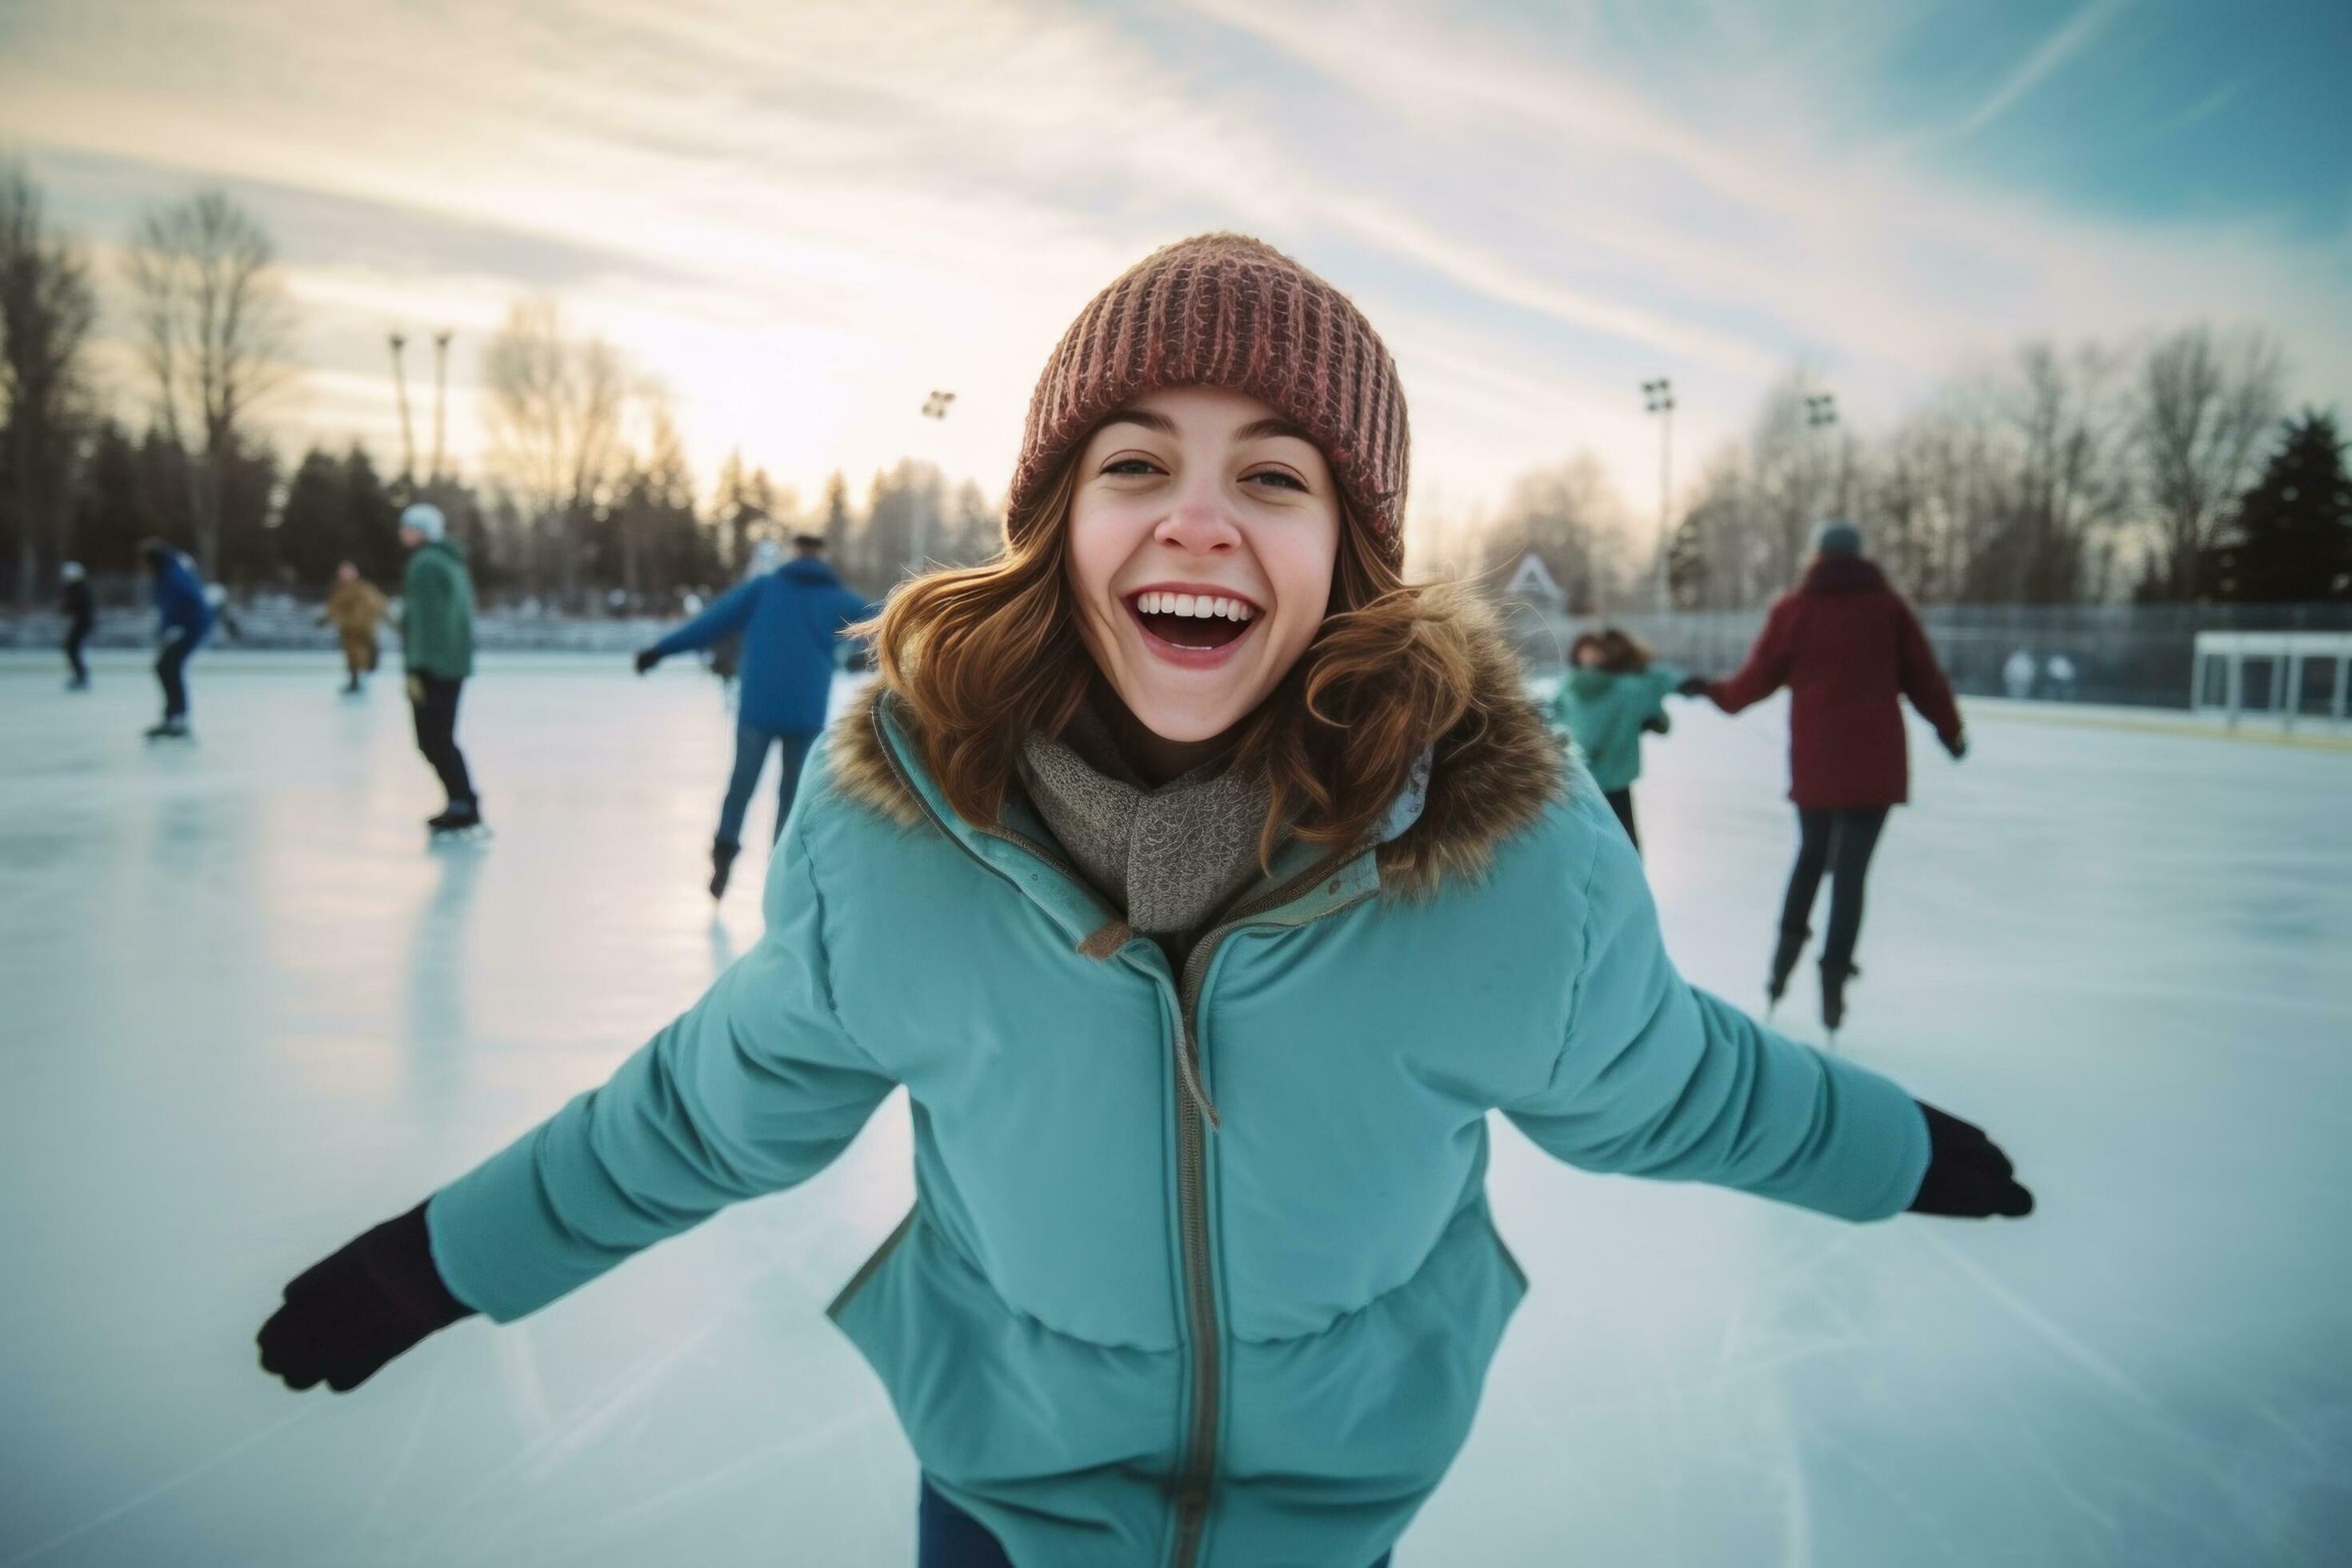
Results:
245 1013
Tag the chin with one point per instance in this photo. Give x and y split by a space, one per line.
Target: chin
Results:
1188 723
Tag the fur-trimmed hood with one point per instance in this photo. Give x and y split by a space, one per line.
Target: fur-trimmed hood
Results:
1490 777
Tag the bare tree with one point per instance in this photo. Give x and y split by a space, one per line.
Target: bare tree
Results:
555 411
214 326
1571 516
2205 402
47 309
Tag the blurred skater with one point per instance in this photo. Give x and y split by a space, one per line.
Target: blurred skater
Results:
354 609
437 636
791 621
1611 694
184 615
1847 648
2018 674
80 611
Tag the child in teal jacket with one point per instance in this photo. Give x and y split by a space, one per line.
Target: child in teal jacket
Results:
1207 889
1611 694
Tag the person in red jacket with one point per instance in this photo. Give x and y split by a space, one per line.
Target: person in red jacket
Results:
1847 648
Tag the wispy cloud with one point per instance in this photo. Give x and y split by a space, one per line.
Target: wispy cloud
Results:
800 219
2070 40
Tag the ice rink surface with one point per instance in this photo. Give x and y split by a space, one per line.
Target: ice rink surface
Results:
246 1012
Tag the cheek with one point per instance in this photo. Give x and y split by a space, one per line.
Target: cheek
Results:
1099 546
1298 565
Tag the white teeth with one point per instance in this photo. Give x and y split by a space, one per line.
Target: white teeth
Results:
1200 606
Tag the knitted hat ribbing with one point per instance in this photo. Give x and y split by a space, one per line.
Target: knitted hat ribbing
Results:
1226 310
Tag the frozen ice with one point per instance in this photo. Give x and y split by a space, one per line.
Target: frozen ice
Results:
245 1012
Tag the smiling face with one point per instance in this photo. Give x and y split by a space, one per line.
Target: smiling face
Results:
1204 527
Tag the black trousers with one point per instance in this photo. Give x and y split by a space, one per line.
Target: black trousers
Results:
1620 801
169 667
1839 841
77 634
434 703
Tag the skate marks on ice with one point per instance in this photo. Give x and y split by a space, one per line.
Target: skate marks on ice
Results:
2120 953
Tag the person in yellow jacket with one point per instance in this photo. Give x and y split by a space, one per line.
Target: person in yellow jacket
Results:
354 607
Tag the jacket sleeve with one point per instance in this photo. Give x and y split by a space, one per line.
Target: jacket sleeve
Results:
1656 1078
1922 677
756 1088
1662 680
1766 669
727 612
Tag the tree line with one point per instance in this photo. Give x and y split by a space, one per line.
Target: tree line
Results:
2163 472
585 498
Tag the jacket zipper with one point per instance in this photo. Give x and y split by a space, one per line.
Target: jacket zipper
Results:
1194 1114
1195 1480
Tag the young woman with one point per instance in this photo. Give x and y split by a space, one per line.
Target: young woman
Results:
1611 694
1849 651
1206 887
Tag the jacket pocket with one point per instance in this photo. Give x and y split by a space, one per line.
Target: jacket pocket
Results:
873 1264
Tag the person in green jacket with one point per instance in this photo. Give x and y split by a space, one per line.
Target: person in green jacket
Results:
1611 694
1204 885
437 636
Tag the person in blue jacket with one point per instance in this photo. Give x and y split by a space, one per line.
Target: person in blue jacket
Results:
184 615
790 622
1209 889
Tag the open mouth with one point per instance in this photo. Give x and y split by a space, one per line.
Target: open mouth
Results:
1192 622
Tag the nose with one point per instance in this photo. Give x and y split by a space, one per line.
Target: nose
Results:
1198 526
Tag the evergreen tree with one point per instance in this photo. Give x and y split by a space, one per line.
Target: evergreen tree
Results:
314 527
2291 538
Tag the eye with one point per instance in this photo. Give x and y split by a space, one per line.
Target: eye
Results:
1277 478
1131 467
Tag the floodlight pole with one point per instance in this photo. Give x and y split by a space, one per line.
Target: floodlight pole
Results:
935 406
1658 399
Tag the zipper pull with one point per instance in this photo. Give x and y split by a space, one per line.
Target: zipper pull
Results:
1189 1072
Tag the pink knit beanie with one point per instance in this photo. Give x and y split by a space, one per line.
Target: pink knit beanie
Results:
1225 311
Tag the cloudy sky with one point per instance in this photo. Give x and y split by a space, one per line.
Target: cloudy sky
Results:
800 217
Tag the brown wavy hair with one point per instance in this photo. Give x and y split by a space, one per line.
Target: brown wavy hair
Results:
985 657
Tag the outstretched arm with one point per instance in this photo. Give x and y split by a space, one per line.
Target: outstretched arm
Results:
727 612
1655 1079
1923 680
1766 669
756 1088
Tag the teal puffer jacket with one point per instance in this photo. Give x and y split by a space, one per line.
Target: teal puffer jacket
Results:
1603 710
1116 1333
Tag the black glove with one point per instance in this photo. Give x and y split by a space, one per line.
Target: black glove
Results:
348 1315
1692 686
1968 1175
646 659
1958 745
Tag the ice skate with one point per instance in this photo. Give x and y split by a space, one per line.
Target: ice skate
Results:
722 864
1833 983
171 730
461 823
1784 963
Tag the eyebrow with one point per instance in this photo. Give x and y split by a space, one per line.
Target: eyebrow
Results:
1262 429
